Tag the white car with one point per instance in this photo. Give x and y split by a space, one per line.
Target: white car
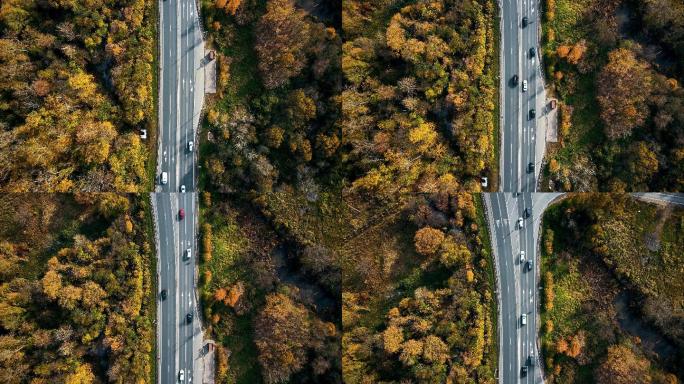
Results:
190 146
522 257
520 223
164 178
524 85
181 376
182 188
523 319
188 253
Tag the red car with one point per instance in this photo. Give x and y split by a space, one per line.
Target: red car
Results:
181 213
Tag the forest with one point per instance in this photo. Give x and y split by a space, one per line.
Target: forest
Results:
76 86
617 67
418 296
419 104
612 291
77 296
312 146
270 278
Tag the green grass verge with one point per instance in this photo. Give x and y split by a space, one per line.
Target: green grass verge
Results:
490 273
152 297
229 247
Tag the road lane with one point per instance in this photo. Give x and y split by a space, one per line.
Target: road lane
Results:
517 288
519 131
181 95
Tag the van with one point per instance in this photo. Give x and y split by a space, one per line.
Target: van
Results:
164 178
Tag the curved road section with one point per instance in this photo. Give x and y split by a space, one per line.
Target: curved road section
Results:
181 94
523 140
517 280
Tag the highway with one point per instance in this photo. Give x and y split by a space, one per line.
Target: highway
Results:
517 288
181 94
523 137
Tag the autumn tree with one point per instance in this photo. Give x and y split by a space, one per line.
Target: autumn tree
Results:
623 366
642 162
549 294
285 333
624 86
428 240
434 350
282 35
392 339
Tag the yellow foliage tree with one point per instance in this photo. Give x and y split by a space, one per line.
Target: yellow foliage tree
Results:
392 338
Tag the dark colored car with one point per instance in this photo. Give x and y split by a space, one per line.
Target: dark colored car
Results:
163 294
188 317
527 212
181 214
514 80
524 22
523 371
533 113
530 168
529 265
533 52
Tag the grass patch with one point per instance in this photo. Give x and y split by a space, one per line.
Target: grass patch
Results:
491 278
153 123
152 297
600 264
231 248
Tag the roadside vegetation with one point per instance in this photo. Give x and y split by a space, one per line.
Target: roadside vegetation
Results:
418 301
75 89
77 296
270 274
270 299
313 147
612 291
616 67
421 94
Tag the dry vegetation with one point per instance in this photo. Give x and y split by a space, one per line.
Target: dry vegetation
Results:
76 289
613 291
76 85
616 66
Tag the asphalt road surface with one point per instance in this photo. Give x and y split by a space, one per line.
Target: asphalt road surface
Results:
517 285
672 198
519 129
176 276
180 41
181 96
